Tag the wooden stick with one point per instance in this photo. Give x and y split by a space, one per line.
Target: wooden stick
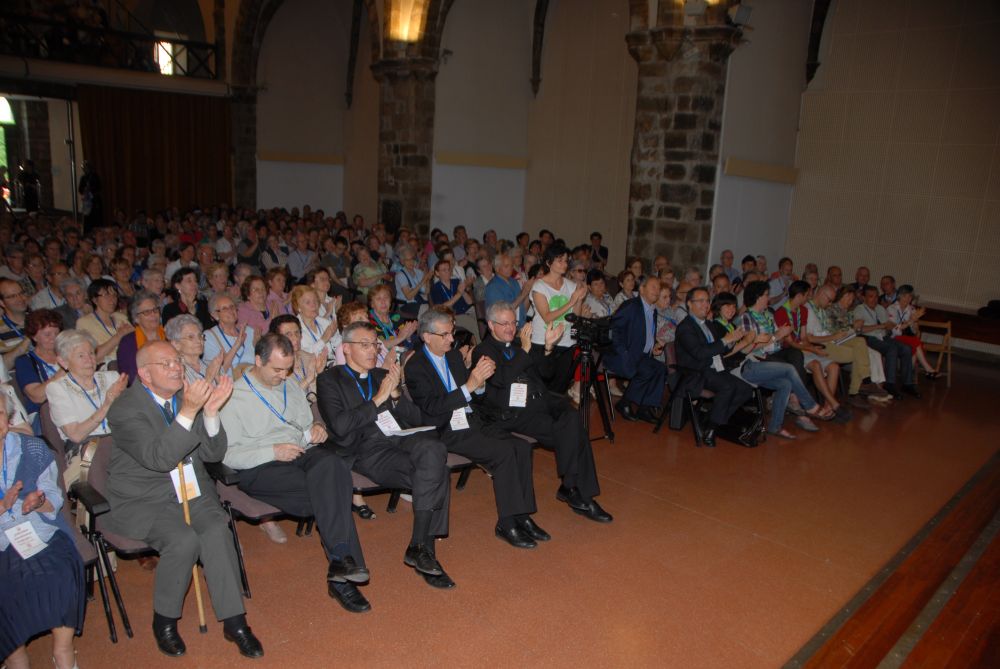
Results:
202 627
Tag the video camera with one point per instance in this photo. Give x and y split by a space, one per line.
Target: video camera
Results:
590 332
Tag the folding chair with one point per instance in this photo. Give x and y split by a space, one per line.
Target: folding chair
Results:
942 348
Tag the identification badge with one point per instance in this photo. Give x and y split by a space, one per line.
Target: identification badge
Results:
190 482
459 421
518 394
25 540
387 423
717 363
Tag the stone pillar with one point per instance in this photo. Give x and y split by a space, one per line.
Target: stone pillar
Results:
406 142
675 152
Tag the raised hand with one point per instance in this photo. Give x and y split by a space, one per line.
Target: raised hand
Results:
214 366
466 352
116 389
241 335
196 393
554 333
735 335
483 370
10 498
525 335
219 395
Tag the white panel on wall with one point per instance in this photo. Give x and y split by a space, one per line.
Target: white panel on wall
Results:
480 198
751 217
282 184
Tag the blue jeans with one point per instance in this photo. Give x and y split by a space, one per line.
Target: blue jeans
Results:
783 380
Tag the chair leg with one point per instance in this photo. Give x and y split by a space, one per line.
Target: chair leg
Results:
300 528
393 502
95 574
102 550
239 550
695 423
309 526
463 478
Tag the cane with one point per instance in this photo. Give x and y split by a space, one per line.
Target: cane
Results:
202 627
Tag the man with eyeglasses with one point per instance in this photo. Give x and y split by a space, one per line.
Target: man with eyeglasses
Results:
366 410
516 400
13 343
278 450
160 425
699 352
441 385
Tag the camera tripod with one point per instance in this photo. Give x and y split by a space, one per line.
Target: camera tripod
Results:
588 384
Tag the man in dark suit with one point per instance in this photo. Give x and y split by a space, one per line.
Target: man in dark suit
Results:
700 353
633 331
360 403
516 400
442 387
156 427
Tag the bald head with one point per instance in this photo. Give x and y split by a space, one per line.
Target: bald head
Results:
151 352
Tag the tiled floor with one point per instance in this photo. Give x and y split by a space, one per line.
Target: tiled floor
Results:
717 558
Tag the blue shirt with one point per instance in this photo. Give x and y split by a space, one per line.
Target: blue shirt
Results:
440 295
47 483
444 371
650 314
500 289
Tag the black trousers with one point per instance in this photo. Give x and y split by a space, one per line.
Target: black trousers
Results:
563 366
646 387
898 359
507 459
730 394
561 429
417 462
317 483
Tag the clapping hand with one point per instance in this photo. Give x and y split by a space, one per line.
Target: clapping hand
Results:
554 333
219 395
466 352
10 498
483 370
116 389
578 294
783 332
525 335
407 329
734 336
33 501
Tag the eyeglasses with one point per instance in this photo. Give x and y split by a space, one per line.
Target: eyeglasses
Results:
147 312
449 333
365 345
13 295
199 337
169 363
228 307
505 324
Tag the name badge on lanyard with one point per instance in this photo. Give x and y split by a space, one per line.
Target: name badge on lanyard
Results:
518 395
387 423
190 482
459 421
25 540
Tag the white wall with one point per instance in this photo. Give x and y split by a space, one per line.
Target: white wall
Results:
766 78
479 198
285 184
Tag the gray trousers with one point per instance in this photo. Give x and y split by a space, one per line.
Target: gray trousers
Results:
207 539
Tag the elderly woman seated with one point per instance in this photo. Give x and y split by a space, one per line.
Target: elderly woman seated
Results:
233 340
37 368
185 333
41 573
80 398
145 313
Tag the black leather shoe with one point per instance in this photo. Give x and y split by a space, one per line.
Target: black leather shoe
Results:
341 571
169 640
595 512
572 497
348 596
247 643
420 558
649 414
912 390
516 537
364 511
441 581
708 438
626 411
894 391
531 528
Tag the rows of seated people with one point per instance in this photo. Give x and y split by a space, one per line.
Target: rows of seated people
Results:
296 347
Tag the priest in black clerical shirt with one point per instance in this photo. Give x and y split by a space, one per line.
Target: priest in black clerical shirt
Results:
516 400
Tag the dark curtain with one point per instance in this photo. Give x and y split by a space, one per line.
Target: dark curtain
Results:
154 151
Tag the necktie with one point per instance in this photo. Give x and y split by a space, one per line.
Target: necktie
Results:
168 411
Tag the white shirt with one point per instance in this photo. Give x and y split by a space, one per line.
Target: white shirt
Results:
312 337
556 299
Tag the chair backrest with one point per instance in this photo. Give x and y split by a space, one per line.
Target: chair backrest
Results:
939 328
51 434
99 466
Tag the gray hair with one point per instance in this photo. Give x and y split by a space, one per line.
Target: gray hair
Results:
494 310
349 331
498 260
176 325
67 340
72 281
150 272
434 315
137 299
213 302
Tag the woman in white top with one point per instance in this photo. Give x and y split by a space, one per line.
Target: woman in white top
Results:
80 400
234 341
319 279
318 334
185 333
554 296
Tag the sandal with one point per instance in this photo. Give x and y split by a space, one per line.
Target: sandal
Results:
364 511
804 423
784 434
823 412
932 375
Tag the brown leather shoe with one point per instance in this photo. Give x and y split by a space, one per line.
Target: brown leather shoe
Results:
149 562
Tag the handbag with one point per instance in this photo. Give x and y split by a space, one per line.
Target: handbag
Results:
78 459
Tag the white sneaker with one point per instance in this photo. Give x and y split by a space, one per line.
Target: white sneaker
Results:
274 532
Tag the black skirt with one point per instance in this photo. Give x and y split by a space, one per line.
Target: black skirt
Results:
40 593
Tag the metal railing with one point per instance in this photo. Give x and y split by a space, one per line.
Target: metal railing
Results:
72 42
